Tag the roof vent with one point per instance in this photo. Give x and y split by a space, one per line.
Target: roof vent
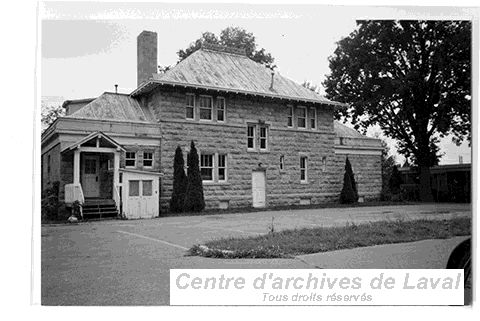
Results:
219 48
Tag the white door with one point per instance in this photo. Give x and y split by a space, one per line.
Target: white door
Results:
141 197
258 188
90 176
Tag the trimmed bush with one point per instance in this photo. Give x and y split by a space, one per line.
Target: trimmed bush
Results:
194 200
179 182
50 204
347 196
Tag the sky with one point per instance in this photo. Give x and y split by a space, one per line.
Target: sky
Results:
87 49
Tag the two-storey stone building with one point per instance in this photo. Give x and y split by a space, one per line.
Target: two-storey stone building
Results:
263 139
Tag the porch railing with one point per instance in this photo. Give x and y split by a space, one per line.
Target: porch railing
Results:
74 192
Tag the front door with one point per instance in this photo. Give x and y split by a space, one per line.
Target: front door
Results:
258 188
90 176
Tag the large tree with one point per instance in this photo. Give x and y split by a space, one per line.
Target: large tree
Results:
231 37
50 113
410 77
194 199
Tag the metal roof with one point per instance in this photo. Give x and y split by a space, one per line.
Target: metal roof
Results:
231 72
112 106
343 131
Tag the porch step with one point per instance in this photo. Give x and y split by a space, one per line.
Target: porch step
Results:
99 208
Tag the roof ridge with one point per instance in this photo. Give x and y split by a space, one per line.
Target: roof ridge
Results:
224 49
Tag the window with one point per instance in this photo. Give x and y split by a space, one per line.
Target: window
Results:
324 164
301 117
251 136
206 167
222 167
190 106
130 159
220 109
282 162
146 188
303 169
147 159
313 117
205 107
290 116
263 137
133 188
90 166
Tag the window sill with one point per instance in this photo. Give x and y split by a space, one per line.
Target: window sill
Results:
213 183
304 182
262 151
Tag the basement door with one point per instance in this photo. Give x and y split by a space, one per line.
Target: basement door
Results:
140 199
90 181
258 188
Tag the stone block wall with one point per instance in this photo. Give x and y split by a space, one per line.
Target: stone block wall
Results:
230 137
368 174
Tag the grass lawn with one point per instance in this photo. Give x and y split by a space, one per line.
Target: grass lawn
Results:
288 243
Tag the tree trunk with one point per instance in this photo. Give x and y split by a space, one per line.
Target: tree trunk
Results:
425 188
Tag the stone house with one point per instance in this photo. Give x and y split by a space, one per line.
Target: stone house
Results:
263 140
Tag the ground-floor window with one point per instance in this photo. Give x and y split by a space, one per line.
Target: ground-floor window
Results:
133 188
206 167
303 169
147 188
130 159
147 159
222 167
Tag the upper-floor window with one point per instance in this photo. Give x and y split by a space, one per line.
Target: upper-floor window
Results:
301 117
222 167
220 109
313 117
290 116
263 137
206 167
130 159
251 137
205 104
190 106
147 159
303 169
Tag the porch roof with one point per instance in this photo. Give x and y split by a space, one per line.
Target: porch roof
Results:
95 135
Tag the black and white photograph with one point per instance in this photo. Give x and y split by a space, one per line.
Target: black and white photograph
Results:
234 137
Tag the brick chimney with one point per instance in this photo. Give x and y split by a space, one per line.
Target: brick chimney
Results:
146 56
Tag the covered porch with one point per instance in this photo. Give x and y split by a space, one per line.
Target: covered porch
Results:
95 170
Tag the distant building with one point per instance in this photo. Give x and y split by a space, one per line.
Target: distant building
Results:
450 183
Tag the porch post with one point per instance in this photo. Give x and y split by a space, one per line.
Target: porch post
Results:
76 166
116 166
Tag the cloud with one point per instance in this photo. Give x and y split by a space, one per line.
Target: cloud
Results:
74 38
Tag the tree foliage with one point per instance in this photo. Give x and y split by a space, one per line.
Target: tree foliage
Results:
179 182
412 78
231 37
395 180
349 193
194 200
50 113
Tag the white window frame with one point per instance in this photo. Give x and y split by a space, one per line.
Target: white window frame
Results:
290 117
260 127
188 106
314 118
304 169
218 167
206 108
212 167
304 118
282 162
224 109
134 160
254 136
151 166
324 164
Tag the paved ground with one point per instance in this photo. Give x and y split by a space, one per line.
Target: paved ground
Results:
128 262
